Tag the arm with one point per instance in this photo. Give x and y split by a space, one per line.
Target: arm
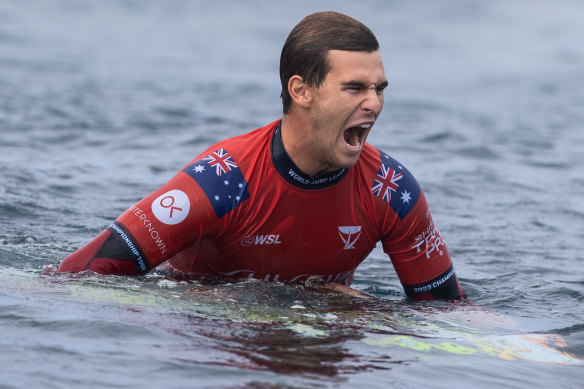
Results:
149 232
108 253
421 258
412 241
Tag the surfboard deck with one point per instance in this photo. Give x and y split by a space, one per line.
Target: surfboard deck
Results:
456 330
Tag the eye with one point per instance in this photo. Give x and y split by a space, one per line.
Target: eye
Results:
381 88
354 89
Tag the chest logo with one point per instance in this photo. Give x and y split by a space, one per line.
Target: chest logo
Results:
349 235
261 240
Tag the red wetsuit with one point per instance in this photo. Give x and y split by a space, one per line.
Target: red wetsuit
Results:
243 209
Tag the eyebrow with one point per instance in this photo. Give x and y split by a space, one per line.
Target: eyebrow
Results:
362 85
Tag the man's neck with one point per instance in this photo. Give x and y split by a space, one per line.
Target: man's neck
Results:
293 174
295 137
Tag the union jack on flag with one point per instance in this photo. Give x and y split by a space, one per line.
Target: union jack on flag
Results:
392 176
225 186
221 160
386 182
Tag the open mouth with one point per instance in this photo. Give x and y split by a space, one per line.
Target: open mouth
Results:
354 136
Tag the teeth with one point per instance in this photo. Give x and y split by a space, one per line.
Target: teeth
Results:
365 125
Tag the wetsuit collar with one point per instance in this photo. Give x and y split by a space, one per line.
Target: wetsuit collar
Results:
291 173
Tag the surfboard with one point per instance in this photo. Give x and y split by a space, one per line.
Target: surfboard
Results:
453 332
421 333
543 348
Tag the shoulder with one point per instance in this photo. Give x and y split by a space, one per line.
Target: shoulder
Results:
390 181
240 150
242 145
220 171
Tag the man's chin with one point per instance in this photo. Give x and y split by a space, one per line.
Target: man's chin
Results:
348 161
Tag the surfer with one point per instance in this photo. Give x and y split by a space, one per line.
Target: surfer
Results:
304 197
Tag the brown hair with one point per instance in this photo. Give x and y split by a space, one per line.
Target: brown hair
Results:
305 52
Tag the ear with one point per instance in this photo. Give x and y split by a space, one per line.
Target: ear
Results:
300 92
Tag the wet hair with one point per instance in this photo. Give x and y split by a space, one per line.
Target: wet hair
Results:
305 52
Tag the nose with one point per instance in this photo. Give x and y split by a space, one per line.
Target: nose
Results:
373 102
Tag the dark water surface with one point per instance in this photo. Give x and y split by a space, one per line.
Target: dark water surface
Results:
102 102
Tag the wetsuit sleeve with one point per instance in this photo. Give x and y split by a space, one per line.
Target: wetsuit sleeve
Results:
410 238
421 258
149 232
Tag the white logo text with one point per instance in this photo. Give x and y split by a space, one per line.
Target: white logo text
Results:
261 240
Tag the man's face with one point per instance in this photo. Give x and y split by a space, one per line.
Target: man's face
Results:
345 108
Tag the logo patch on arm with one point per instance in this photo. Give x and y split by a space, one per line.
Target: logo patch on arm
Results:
221 180
129 243
395 185
171 207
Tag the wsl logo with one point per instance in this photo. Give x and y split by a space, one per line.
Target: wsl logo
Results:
349 235
261 240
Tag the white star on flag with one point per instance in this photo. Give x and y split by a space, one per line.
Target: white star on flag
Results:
199 168
405 197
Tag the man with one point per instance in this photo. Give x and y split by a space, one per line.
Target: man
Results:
303 197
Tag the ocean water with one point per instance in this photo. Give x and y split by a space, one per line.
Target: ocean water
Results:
102 102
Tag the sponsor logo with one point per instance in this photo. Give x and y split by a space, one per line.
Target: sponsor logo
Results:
152 232
430 241
171 207
434 284
261 240
133 249
316 181
349 235
344 278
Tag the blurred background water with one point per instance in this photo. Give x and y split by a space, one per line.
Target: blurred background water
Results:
102 102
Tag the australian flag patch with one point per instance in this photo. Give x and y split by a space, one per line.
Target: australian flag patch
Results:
221 180
395 185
